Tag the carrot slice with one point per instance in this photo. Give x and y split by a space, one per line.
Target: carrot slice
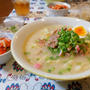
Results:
2 50
57 7
4 44
7 41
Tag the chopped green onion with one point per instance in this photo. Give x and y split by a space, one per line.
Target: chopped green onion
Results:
68 69
27 53
51 69
69 59
37 59
88 59
47 58
52 58
61 71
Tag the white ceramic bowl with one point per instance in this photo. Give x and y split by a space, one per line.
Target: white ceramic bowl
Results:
6 56
61 12
24 32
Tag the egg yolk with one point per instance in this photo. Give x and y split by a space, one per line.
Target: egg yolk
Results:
80 30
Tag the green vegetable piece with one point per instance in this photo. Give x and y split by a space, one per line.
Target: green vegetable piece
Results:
37 59
61 72
69 68
57 57
49 70
69 59
13 29
59 33
88 58
87 36
53 68
52 58
47 58
27 53
61 43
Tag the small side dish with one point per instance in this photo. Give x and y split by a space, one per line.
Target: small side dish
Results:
58 7
11 24
59 50
12 29
4 45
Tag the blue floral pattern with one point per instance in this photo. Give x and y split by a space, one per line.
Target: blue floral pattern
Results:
48 86
3 80
17 67
13 87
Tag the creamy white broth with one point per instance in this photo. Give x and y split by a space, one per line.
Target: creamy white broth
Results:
63 65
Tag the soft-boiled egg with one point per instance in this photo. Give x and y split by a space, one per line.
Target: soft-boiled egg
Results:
80 30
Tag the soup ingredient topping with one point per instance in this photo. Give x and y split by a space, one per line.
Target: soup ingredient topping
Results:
68 69
58 7
88 58
66 43
41 43
37 59
37 66
4 44
80 30
26 53
51 69
51 58
88 37
59 50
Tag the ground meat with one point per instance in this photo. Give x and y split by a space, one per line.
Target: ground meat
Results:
52 42
81 52
67 54
41 43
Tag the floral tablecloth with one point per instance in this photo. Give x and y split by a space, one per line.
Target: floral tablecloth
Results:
14 77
